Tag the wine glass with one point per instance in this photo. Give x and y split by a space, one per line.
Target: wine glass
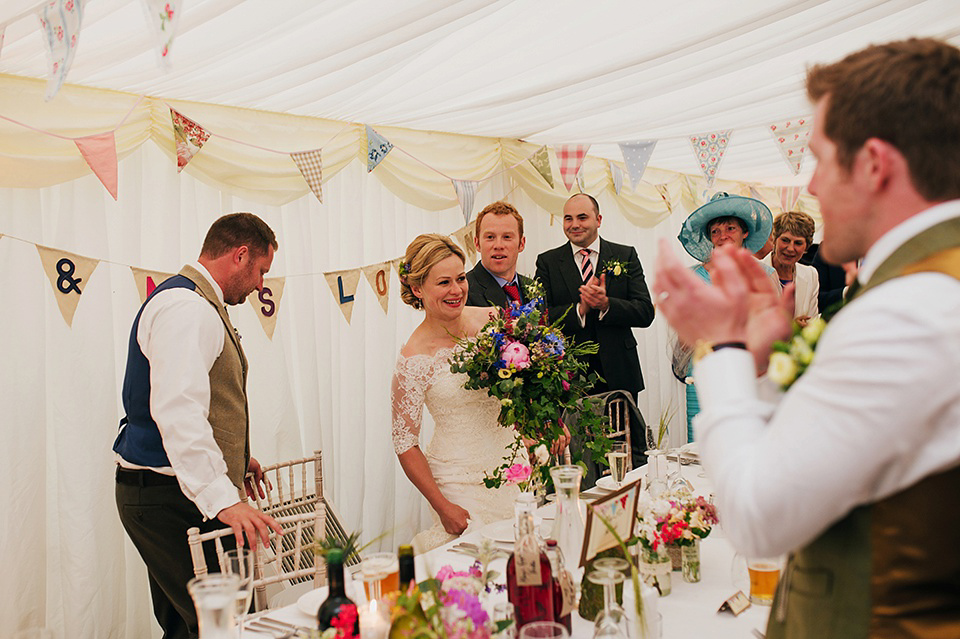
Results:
617 457
544 630
380 571
612 622
676 481
214 596
613 564
240 562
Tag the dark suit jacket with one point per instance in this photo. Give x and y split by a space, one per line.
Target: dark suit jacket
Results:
485 291
630 305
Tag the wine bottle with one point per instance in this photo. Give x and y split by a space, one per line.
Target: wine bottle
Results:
556 565
529 579
337 607
407 569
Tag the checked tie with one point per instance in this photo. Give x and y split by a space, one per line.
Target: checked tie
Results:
512 291
586 268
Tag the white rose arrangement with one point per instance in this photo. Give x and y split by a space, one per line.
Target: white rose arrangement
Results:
790 359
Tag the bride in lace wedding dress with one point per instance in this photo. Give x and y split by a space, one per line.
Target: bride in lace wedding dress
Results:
468 440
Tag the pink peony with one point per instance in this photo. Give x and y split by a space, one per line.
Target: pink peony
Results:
565 384
517 355
518 473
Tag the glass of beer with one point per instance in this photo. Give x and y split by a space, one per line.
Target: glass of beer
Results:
381 574
764 574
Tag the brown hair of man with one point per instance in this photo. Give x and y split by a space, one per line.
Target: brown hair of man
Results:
238 229
498 208
905 93
794 223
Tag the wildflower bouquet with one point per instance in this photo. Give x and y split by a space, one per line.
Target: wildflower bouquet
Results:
537 374
449 606
677 519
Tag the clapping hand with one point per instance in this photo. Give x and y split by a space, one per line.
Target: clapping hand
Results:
593 294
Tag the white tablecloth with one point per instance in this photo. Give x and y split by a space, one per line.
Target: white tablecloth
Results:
689 611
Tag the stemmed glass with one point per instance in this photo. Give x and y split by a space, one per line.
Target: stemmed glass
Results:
676 481
544 630
612 623
240 562
617 457
380 570
613 564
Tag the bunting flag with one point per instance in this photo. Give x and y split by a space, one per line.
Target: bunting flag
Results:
378 276
665 195
464 237
146 281
466 193
709 149
343 285
311 168
789 196
266 303
617 176
60 21
541 162
377 149
100 153
164 18
791 138
570 157
68 274
189 137
636 155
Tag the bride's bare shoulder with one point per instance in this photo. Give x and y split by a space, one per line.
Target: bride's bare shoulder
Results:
477 316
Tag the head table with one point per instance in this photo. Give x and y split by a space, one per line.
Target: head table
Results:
689 611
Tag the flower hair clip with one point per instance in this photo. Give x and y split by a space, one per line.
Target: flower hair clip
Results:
403 269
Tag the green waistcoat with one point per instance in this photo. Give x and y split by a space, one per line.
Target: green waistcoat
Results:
891 568
228 415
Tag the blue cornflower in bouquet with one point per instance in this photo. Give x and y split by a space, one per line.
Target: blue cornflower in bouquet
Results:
536 373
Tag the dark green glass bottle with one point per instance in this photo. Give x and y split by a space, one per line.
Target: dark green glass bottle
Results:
337 605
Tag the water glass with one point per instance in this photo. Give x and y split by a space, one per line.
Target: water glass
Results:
215 597
503 611
240 562
544 630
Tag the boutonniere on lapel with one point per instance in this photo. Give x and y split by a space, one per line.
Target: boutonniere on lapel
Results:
789 360
533 289
614 268
237 333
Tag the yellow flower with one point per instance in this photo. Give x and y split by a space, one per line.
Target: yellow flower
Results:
505 373
506 401
617 270
811 332
539 375
782 369
801 351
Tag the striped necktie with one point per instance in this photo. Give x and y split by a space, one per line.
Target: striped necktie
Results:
586 268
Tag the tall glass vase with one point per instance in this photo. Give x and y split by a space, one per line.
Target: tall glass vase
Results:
690 561
568 524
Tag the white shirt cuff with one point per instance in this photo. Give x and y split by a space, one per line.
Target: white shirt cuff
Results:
724 377
215 497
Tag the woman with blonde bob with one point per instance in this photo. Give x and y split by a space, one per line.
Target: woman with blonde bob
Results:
793 235
468 440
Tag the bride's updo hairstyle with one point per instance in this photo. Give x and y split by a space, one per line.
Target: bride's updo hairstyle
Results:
423 253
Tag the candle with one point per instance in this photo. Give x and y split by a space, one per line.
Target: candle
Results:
374 623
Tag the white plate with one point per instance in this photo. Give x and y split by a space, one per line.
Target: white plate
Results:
606 483
499 531
310 602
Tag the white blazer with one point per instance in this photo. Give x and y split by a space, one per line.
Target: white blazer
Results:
808 288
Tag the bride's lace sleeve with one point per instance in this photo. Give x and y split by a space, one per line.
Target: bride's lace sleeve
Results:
408 388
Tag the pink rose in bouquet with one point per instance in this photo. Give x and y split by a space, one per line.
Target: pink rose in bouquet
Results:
516 355
518 473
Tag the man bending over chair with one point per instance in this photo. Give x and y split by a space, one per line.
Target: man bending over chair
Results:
184 445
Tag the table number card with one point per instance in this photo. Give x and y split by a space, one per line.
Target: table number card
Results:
735 604
619 509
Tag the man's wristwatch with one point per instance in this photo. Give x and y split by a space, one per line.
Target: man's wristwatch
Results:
703 348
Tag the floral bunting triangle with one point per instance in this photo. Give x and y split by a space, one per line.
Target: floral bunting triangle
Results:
709 149
466 193
311 168
570 157
189 137
100 154
617 176
791 137
636 155
541 162
789 196
377 148
60 21
164 19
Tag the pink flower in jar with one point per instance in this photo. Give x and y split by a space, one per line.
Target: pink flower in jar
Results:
516 355
169 11
518 473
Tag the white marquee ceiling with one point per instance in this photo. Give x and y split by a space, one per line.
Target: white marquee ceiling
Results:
565 71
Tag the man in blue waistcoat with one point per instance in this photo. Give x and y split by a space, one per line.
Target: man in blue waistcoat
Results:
183 448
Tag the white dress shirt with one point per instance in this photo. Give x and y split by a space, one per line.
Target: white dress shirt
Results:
182 335
877 411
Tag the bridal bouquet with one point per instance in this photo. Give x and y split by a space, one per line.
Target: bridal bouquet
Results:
537 374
